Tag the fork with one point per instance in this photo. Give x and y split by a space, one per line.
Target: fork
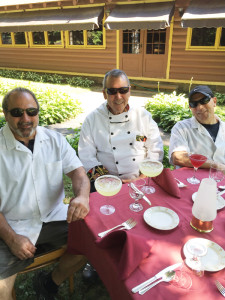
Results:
220 287
179 183
129 224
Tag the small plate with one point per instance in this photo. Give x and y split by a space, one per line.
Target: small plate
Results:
219 204
161 218
214 260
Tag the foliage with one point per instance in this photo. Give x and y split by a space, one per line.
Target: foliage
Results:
220 98
47 77
73 139
166 163
168 109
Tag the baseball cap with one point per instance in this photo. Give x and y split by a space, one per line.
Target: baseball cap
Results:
203 89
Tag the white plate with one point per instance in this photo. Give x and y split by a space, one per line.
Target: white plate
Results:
220 201
214 260
161 218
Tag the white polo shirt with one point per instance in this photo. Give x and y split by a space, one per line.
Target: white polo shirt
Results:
31 184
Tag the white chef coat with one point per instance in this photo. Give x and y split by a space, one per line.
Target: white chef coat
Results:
31 184
190 136
111 140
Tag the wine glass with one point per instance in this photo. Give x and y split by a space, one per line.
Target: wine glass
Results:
135 188
108 185
216 171
197 161
150 168
196 250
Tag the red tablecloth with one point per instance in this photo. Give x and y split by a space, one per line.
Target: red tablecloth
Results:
166 246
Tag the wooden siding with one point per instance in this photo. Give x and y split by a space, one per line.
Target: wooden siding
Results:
201 65
93 61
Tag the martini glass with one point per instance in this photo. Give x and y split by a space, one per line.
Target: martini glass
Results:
135 192
197 161
216 172
150 168
108 185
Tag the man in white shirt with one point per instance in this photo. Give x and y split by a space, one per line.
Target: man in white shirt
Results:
32 162
117 135
204 133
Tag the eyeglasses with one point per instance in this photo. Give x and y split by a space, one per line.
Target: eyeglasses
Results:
203 101
18 112
122 90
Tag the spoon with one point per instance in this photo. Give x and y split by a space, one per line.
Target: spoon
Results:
222 187
168 276
180 184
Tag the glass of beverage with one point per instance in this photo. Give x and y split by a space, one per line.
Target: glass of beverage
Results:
196 250
197 161
108 185
150 168
217 171
135 191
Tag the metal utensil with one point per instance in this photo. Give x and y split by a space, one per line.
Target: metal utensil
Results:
220 287
140 192
222 187
168 276
130 223
180 184
157 276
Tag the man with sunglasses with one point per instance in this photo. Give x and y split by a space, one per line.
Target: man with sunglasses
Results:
117 136
204 133
32 214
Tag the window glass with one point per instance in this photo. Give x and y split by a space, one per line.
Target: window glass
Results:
76 37
38 38
222 39
203 36
6 38
20 38
156 41
54 38
95 37
131 41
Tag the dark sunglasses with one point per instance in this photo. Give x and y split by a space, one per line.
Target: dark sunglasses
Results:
205 100
18 112
114 91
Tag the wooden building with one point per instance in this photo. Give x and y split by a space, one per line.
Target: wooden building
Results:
173 42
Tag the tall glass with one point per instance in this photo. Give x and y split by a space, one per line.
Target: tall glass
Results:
108 185
197 161
150 168
217 171
135 191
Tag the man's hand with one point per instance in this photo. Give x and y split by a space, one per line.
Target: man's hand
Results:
141 176
22 247
78 209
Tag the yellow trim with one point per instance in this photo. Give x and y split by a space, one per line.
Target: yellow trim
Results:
46 45
117 49
169 49
13 41
141 2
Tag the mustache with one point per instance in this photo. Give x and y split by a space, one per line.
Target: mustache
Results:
25 123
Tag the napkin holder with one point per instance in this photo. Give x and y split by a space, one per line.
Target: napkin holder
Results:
204 208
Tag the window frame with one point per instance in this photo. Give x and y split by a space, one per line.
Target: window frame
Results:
46 45
13 41
216 46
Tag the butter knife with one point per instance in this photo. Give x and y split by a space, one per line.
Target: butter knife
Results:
138 191
157 276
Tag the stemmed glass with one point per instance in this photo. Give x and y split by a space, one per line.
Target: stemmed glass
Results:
108 185
196 250
197 161
150 168
216 171
135 188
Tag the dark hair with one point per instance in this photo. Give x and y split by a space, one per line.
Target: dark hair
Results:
18 90
115 73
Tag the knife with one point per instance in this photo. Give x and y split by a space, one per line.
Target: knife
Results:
138 191
157 276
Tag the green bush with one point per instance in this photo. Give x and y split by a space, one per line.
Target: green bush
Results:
73 139
220 98
166 162
79 81
168 109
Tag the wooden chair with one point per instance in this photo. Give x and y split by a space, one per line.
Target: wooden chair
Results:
48 259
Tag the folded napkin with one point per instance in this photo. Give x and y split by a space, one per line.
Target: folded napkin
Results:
128 249
167 182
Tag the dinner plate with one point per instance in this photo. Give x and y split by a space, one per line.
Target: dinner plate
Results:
214 260
161 218
219 204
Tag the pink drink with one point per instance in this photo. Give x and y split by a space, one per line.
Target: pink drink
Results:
197 160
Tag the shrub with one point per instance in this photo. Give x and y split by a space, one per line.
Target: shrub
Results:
220 98
73 139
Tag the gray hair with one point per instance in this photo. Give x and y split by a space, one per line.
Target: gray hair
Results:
116 73
18 90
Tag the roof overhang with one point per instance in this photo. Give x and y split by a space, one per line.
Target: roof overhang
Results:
204 13
52 20
141 16
22 2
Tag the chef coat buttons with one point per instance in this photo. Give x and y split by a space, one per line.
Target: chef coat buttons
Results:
128 132
111 133
131 144
126 116
110 118
114 148
117 162
133 159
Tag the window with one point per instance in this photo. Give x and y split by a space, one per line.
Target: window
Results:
156 41
206 39
131 41
46 39
14 39
86 38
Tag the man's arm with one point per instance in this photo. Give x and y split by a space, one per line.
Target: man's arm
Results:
180 158
79 205
18 244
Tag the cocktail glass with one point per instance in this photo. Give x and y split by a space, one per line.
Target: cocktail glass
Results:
108 185
134 187
197 161
150 168
197 250
217 171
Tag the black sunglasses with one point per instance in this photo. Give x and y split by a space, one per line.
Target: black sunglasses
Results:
205 100
18 112
122 90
